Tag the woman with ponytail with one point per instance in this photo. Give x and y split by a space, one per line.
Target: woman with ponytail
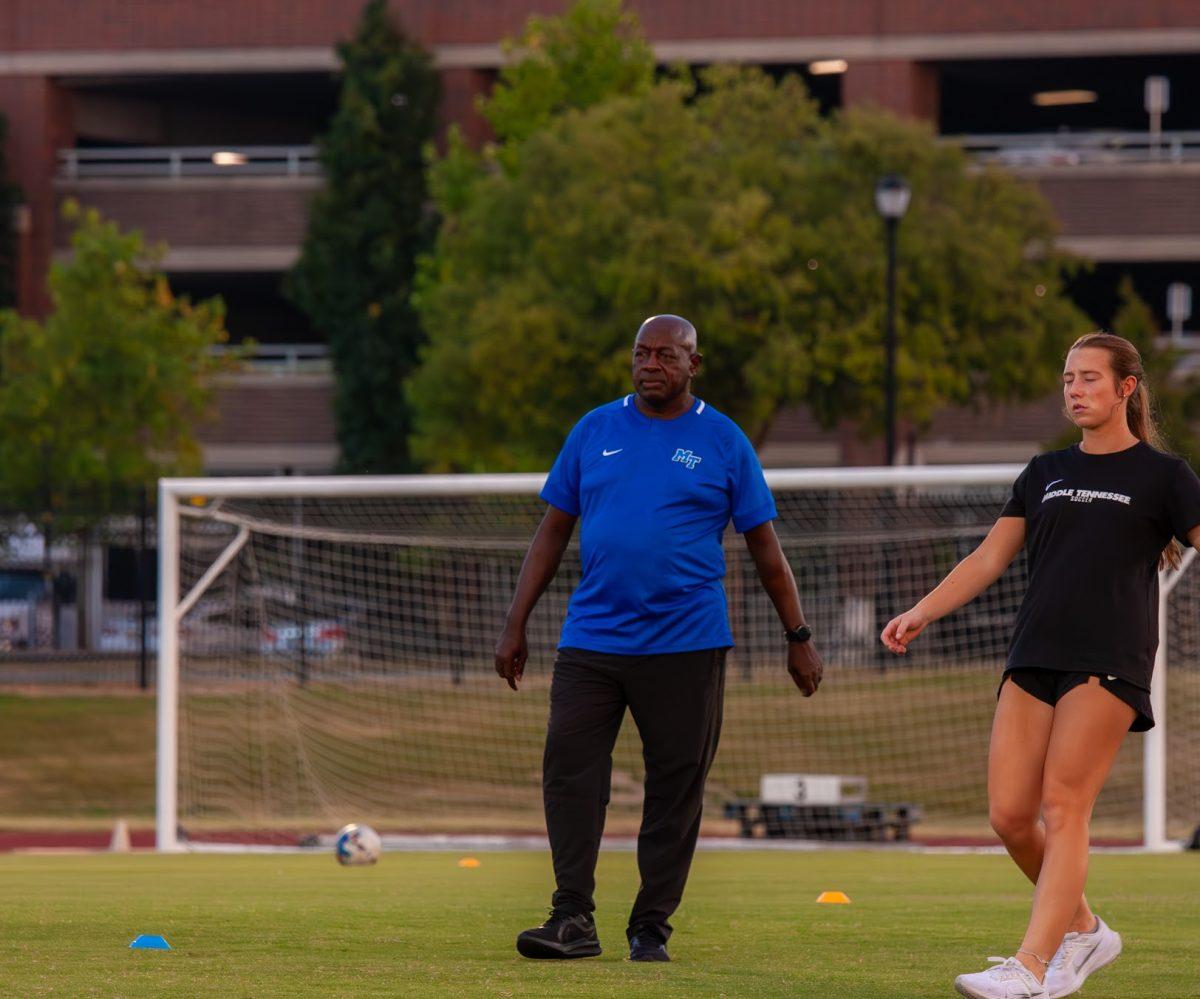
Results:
1098 520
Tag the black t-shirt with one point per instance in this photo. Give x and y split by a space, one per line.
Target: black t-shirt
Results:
1095 526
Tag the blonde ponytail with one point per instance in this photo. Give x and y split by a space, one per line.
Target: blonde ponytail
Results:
1126 362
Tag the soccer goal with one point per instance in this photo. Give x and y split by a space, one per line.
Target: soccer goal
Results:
325 656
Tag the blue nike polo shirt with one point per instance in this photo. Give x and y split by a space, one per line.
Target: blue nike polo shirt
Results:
653 499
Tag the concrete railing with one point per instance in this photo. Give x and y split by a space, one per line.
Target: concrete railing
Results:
174 162
1065 149
283 358
1032 149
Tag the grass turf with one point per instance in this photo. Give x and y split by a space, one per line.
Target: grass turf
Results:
469 757
418 924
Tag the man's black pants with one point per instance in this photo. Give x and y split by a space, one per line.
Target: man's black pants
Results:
676 702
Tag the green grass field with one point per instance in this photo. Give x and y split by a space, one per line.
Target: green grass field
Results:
468 757
418 925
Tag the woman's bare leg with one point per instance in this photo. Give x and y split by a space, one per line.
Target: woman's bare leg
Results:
1088 728
1016 761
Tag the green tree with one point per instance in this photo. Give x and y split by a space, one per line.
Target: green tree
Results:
591 53
10 198
355 274
732 202
104 396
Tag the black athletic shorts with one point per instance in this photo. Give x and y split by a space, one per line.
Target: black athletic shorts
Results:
1048 685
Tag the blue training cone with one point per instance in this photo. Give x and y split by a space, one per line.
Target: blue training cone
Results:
150 941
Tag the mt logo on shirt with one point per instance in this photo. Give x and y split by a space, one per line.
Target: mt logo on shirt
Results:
687 457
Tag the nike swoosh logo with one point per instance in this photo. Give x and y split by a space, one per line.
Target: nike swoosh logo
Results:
609 454
1054 483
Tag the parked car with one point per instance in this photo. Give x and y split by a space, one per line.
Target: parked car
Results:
122 632
24 608
323 637
217 627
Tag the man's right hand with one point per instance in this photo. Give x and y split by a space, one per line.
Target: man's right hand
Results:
805 666
511 653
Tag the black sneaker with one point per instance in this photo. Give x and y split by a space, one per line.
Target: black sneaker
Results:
645 948
560 937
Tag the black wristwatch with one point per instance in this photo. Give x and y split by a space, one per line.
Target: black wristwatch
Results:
797 635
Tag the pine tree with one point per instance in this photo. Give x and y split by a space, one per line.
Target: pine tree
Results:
354 278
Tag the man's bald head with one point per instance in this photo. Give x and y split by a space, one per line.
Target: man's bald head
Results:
679 329
665 360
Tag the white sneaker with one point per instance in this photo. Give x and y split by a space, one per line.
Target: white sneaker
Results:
1079 955
1009 979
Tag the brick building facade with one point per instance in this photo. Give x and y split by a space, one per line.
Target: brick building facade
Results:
167 73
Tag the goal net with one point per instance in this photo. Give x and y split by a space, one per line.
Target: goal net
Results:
326 657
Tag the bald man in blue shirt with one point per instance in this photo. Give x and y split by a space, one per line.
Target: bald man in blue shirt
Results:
653 479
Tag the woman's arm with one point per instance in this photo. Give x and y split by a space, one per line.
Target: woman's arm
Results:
967 580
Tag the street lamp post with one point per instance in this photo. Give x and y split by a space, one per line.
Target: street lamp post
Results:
1179 308
892 195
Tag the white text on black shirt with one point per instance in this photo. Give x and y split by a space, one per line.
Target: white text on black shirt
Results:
1086 496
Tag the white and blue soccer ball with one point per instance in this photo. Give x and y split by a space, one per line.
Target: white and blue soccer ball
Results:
357 845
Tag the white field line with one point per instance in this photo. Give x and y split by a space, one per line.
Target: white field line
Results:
454 843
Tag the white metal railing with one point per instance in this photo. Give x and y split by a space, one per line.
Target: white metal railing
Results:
1021 149
174 162
1078 148
285 358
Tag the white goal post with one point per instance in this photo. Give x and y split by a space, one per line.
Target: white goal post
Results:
312 668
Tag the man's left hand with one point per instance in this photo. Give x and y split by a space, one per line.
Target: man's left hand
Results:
805 666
